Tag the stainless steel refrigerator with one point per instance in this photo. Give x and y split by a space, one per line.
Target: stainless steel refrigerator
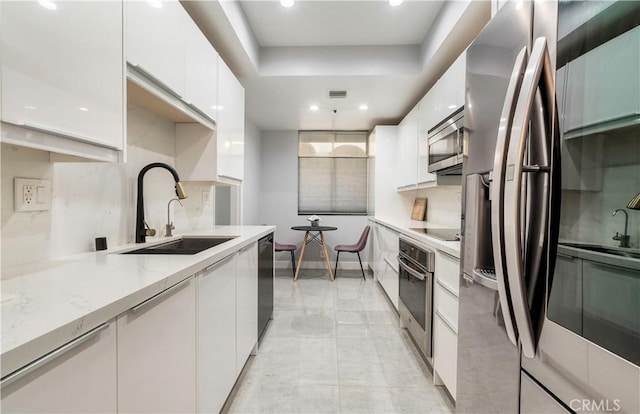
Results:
549 317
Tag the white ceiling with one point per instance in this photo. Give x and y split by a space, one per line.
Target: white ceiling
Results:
340 23
289 58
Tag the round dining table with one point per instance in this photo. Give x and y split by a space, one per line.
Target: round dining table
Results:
314 234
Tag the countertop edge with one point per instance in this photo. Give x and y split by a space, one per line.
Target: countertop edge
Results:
447 247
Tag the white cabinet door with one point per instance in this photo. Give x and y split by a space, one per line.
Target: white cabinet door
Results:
216 334
603 84
445 354
62 69
201 71
157 353
450 89
230 123
80 380
389 272
246 304
445 320
408 150
156 40
426 120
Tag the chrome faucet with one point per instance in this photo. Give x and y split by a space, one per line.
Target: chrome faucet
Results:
169 225
142 228
622 238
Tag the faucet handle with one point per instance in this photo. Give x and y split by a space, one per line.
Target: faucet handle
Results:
149 231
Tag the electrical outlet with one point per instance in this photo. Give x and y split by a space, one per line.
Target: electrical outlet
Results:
31 194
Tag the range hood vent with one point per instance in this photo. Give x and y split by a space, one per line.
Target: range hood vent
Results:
337 94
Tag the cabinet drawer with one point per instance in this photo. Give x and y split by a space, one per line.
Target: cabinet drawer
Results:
445 357
446 304
448 271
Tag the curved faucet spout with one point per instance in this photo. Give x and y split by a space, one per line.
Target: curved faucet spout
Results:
141 231
624 239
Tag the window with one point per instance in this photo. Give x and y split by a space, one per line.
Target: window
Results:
332 172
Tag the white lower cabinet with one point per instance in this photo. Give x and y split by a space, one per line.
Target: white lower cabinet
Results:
79 377
216 334
157 353
246 304
445 321
387 271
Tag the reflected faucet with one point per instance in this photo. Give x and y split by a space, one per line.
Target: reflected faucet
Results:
142 229
623 238
170 225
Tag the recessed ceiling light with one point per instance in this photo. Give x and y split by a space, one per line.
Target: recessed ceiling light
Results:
363 107
286 3
155 3
29 107
48 4
314 107
395 2
83 109
452 106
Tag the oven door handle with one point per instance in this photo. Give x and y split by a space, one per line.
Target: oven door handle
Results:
416 274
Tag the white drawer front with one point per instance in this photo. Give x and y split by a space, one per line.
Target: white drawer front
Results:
448 271
445 357
446 304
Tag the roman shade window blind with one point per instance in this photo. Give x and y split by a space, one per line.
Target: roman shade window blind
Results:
332 172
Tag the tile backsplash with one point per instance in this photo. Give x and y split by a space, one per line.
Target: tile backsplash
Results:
586 215
92 199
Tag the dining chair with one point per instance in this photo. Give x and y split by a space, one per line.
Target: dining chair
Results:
353 248
291 248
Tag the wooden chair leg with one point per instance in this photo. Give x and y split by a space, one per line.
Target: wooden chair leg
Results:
361 268
293 263
335 272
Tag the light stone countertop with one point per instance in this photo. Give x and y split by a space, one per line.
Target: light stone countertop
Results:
403 227
48 304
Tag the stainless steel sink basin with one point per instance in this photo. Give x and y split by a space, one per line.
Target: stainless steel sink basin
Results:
184 245
616 251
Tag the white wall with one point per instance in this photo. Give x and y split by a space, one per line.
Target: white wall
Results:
93 199
251 203
279 203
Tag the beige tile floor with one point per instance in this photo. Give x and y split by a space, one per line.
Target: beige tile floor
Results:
335 347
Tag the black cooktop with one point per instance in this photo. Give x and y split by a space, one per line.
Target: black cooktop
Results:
442 234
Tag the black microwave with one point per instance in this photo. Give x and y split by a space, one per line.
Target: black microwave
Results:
446 145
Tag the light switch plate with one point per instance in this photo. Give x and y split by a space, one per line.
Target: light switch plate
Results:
31 194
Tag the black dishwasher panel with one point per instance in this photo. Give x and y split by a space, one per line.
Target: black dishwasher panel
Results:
265 282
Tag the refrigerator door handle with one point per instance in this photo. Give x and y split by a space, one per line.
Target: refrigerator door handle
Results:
537 98
497 193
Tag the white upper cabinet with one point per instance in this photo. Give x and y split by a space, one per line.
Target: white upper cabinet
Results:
408 150
171 58
201 72
426 120
602 87
156 41
446 96
230 125
63 76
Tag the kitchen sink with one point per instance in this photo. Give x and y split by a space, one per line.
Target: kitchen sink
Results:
616 251
184 245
